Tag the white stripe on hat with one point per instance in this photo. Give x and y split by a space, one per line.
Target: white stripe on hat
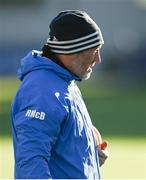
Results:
74 40
74 45
77 49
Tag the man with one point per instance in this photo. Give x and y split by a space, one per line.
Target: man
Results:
52 131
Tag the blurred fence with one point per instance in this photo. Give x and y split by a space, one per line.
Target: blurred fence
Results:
24 25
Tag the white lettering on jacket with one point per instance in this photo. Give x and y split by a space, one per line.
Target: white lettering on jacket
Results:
35 114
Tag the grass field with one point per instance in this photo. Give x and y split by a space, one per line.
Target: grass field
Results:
127 159
118 112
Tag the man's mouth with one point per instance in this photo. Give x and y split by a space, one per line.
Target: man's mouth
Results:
93 64
89 69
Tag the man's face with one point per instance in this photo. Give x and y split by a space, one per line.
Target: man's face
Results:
83 63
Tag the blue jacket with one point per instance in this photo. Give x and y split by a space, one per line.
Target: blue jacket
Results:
52 131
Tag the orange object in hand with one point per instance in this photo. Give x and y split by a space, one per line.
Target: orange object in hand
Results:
100 144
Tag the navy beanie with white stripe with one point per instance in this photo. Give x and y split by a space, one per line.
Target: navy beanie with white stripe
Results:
73 31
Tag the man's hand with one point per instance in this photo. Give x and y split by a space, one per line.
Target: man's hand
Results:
101 146
103 153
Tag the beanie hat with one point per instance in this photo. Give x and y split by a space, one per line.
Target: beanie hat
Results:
73 31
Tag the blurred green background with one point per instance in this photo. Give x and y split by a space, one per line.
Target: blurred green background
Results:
116 93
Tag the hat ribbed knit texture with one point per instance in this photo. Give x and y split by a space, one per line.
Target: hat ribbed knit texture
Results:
73 31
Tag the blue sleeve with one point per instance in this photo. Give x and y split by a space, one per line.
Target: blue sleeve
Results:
37 126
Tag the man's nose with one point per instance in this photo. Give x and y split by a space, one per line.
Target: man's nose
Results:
97 57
